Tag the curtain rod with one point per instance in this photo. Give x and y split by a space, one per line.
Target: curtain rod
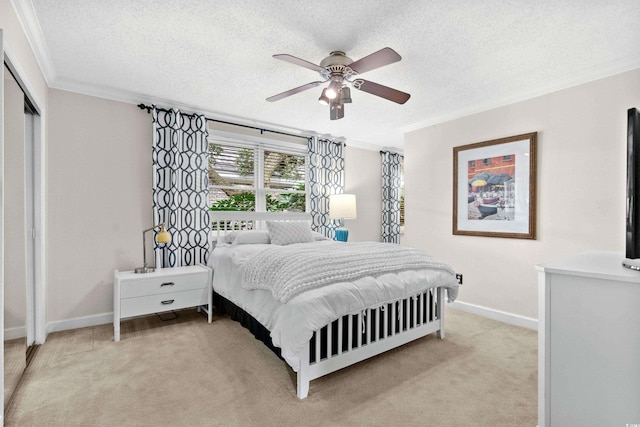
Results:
262 130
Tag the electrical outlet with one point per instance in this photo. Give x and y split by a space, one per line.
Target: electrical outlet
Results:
459 278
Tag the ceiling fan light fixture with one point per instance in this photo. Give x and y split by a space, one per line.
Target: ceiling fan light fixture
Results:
324 99
333 89
345 94
336 110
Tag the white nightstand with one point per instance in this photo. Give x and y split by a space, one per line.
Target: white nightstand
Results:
163 290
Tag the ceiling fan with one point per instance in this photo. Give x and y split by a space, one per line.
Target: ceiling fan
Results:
341 71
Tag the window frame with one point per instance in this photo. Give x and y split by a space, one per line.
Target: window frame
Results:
259 145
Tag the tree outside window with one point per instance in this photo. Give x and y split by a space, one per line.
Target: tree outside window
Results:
251 178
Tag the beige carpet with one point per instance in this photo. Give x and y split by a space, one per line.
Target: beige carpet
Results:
187 372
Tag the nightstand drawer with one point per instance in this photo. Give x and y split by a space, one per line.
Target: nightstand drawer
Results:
163 302
161 285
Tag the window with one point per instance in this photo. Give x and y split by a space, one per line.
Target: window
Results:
250 175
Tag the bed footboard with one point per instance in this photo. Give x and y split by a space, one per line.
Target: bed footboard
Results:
358 336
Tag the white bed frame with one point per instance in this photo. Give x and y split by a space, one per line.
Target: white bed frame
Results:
349 339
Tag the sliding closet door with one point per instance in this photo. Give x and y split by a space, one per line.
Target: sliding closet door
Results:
15 250
22 263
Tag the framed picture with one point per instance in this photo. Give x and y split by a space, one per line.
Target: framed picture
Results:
494 188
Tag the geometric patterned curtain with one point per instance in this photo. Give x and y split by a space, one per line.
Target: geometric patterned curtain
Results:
181 186
326 177
390 196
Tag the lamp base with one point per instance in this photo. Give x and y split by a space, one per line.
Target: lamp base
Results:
341 235
141 270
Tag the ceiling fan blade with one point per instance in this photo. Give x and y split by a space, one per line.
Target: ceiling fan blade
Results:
297 61
293 91
377 59
381 91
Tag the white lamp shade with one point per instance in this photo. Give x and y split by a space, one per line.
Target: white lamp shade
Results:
342 206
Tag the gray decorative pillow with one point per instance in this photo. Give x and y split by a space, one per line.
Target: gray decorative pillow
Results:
288 232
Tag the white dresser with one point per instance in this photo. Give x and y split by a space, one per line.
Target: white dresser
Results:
163 290
588 342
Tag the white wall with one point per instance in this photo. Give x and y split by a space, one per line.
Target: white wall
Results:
580 187
99 200
100 197
99 193
362 178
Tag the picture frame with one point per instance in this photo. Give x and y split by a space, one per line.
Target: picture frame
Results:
494 188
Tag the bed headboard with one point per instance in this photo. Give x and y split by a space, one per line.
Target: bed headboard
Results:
224 222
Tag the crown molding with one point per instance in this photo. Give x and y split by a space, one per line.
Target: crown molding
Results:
33 31
20 75
393 150
356 143
597 73
129 97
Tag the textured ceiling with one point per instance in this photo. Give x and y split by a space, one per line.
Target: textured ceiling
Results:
458 57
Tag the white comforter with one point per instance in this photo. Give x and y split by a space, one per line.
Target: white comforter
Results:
292 323
287 271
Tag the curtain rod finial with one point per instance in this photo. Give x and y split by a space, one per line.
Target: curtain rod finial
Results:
144 107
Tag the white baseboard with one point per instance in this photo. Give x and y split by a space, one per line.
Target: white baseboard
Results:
104 318
15 333
79 322
501 316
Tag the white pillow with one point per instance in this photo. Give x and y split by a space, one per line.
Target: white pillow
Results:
247 237
288 232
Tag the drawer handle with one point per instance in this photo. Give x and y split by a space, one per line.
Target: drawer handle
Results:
167 302
167 284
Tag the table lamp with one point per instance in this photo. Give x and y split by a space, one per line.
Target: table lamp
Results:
162 237
341 207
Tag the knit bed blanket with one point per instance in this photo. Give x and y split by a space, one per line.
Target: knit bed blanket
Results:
290 270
